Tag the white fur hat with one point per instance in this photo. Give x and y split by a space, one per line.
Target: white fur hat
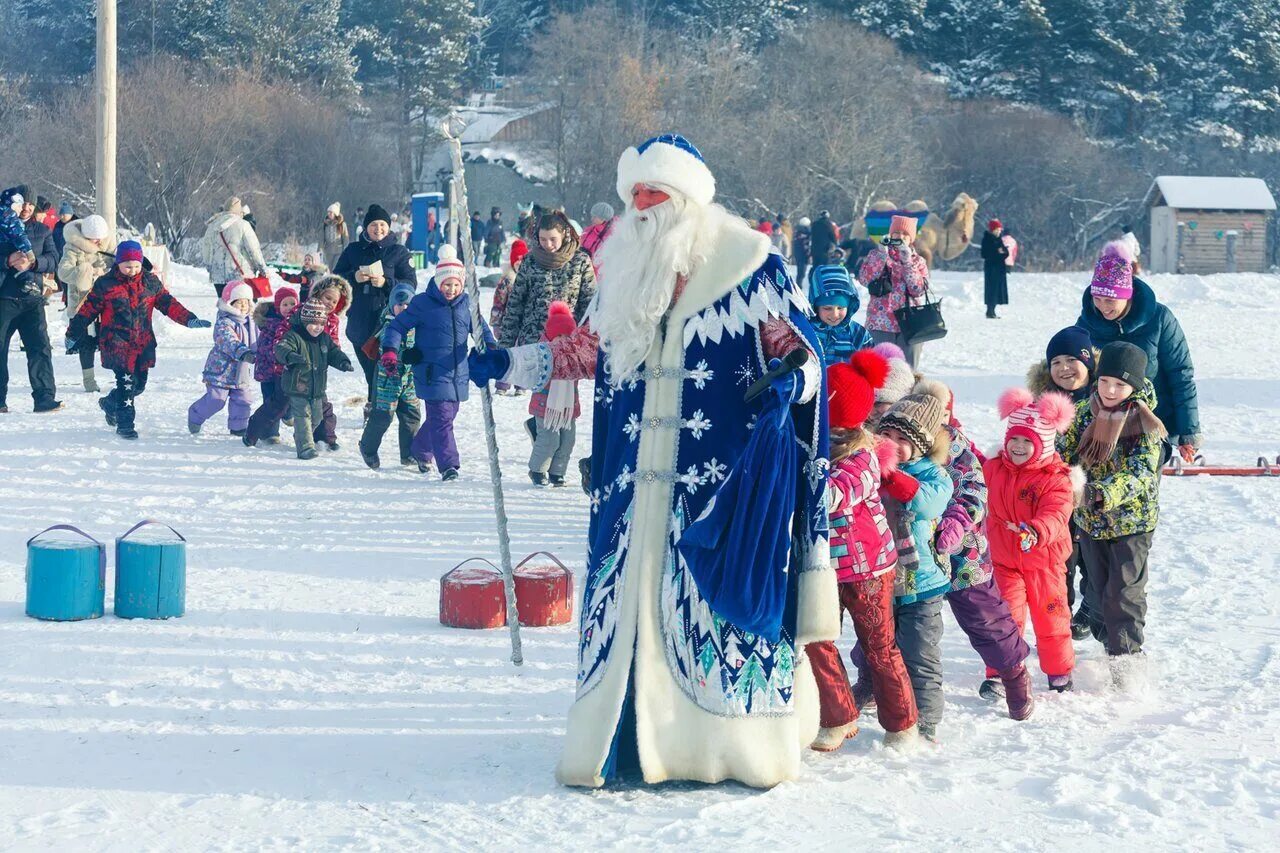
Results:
668 160
94 227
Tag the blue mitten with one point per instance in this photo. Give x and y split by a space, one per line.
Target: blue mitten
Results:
485 367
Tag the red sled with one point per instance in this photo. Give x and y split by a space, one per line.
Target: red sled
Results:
261 286
472 596
1198 468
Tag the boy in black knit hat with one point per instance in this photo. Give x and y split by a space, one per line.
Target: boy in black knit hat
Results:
307 353
1116 438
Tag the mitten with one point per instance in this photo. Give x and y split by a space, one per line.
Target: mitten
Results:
901 487
390 362
197 323
487 366
249 356
950 536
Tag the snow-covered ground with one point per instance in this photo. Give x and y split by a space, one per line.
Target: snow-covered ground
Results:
310 699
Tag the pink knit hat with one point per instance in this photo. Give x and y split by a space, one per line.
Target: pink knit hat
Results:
905 224
1113 273
1037 420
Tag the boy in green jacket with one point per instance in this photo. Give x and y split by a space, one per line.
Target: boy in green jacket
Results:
307 352
1116 438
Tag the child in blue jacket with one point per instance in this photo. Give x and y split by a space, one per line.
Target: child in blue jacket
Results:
440 318
835 301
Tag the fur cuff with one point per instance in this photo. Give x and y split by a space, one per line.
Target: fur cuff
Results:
818 610
530 366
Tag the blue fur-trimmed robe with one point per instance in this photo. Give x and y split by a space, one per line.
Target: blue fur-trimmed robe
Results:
711 702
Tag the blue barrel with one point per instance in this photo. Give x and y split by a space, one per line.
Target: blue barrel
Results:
151 574
66 579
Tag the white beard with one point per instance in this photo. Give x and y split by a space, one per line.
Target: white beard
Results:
639 264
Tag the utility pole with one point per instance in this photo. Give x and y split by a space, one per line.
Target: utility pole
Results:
105 90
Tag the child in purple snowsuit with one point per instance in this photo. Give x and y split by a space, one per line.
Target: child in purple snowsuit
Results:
440 318
228 371
976 602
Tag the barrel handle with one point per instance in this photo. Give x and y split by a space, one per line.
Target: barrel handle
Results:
70 527
102 549
445 576
147 521
568 592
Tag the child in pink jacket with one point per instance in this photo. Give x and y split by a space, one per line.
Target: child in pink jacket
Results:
864 557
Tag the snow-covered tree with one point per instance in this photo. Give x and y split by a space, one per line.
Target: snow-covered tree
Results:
752 22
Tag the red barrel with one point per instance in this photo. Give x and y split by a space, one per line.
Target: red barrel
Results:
544 591
472 596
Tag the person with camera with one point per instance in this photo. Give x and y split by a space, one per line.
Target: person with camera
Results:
895 276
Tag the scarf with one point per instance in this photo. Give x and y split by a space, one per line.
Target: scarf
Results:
900 525
560 399
557 259
1130 419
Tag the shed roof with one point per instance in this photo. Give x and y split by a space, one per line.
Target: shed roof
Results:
1193 192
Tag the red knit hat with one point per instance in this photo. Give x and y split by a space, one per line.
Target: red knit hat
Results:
284 293
519 249
559 320
1037 420
993 224
851 388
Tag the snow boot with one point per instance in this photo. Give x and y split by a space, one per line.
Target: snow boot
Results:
126 432
928 731
309 453
863 695
1061 683
47 406
332 445
991 690
904 739
107 411
238 433
90 380
4 410
247 442
423 467
556 480
272 439
449 475
538 479
831 739
1017 693
408 460
371 459
194 429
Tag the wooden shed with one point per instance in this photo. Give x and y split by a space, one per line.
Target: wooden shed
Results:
1209 225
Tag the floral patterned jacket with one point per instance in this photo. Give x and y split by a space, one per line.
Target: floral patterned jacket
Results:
971 565
909 276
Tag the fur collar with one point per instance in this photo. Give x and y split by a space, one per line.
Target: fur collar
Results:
734 250
75 238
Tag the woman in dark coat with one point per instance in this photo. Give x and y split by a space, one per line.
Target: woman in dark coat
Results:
995 272
375 244
555 270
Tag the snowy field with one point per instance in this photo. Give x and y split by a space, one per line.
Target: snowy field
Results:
310 700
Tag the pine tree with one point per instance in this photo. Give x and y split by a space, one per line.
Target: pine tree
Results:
752 22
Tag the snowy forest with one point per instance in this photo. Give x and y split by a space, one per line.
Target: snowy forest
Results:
1054 115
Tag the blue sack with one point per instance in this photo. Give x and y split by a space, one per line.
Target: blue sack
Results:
739 550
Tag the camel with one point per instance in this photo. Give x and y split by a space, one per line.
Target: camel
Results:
945 238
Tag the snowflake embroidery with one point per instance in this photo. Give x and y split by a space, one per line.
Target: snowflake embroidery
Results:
701 375
607 493
632 427
692 479
604 394
595 500
698 424
746 375
625 478
715 470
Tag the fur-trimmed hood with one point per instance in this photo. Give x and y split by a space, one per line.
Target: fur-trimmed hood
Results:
328 281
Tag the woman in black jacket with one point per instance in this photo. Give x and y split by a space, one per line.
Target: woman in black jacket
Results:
995 271
375 244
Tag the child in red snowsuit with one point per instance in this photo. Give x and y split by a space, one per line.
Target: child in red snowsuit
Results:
865 559
1028 525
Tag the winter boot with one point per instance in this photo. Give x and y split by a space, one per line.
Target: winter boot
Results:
928 731
556 480
238 433
408 460
309 453
863 696
537 479
449 475
371 459
90 380
108 412
47 406
991 690
126 432
423 467
194 429
831 739
247 442
332 445
1080 625
1017 692
904 739
4 410
1061 683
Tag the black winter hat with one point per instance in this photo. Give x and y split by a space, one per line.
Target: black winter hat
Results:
376 212
1124 361
1073 341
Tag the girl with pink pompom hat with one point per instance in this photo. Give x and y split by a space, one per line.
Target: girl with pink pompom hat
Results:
1030 494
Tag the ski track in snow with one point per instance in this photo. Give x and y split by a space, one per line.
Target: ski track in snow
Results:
310 699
